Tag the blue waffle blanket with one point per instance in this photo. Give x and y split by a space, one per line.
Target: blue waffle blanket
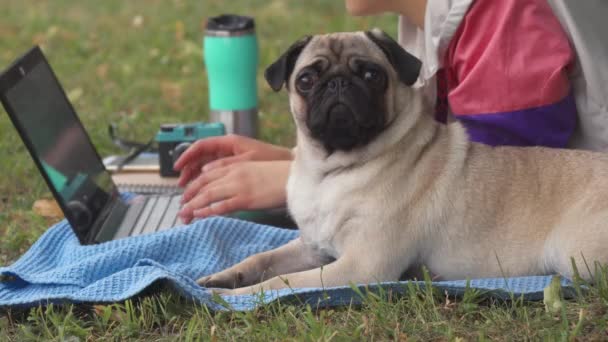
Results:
58 269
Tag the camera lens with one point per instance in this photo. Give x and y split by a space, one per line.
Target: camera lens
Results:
178 150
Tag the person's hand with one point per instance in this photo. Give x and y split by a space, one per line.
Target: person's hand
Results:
216 152
244 185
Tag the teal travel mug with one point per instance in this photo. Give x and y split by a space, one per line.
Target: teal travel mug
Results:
230 52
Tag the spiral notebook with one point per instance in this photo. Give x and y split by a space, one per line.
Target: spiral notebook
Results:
145 183
140 175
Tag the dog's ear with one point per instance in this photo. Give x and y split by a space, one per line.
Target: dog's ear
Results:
406 65
279 71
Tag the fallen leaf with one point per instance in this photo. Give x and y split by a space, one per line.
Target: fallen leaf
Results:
138 21
154 52
39 39
102 70
212 333
99 309
52 31
189 48
127 69
47 208
75 94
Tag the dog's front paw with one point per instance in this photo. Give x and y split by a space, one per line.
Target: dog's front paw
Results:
225 279
223 292
247 290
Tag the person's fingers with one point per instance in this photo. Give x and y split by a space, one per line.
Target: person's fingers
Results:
220 208
185 218
207 196
224 154
187 174
196 169
201 181
206 147
220 163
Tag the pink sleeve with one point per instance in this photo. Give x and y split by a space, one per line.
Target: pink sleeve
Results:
506 70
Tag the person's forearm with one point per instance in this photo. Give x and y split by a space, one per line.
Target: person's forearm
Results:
283 153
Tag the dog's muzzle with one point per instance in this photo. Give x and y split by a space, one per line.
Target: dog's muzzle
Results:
342 116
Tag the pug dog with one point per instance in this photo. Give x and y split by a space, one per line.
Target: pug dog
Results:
379 189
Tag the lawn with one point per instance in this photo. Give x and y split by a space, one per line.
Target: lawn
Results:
139 63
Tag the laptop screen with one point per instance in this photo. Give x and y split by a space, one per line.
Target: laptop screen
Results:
57 140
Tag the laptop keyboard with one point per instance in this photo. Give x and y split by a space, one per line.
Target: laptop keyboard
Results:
156 214
170 219
150 214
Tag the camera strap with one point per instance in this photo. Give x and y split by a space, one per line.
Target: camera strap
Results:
133 148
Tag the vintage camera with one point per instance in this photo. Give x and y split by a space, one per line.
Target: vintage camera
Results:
174 139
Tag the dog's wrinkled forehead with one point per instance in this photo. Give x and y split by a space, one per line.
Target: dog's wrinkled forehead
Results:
336 49
343 49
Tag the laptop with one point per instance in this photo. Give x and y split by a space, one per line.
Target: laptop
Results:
63 152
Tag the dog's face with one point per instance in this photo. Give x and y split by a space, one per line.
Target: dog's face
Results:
341 85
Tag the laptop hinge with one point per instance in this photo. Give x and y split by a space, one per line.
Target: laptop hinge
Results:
112 221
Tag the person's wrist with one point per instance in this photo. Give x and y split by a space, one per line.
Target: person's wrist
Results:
282 174
283 153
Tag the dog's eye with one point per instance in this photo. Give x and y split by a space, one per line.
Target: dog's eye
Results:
371 75
305 82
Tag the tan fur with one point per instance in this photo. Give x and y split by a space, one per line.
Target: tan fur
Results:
422 194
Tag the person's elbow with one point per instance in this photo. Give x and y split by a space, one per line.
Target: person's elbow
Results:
360 7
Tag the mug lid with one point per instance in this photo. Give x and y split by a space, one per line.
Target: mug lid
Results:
230 24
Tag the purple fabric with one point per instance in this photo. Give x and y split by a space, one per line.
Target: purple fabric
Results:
550 125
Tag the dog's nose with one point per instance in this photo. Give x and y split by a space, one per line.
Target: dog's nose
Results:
338 84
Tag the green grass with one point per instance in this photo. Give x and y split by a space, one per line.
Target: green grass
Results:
139 76
419 315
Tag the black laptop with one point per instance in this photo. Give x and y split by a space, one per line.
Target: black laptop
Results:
66 157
